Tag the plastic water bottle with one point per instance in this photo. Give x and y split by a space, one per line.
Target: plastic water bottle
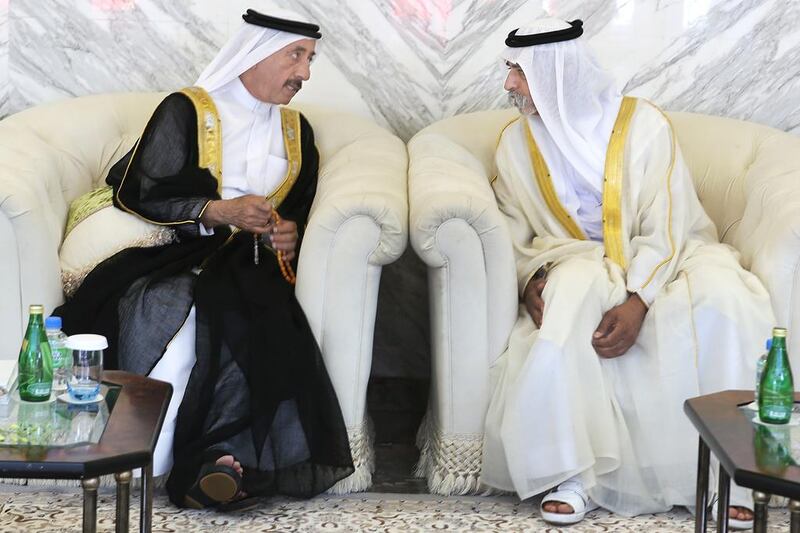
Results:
760 364
60 352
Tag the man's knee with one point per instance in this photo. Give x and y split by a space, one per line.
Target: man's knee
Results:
576 269
576 288
716 287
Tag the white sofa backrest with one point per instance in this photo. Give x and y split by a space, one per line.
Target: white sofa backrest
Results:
730 162
728 159
70 145
86 135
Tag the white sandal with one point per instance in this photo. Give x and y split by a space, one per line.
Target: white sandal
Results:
570 492
734 523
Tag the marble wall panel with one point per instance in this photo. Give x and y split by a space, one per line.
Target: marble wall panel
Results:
408 63
61 48
4 78
734 58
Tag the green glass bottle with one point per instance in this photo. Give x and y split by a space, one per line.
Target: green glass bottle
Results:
35 360
776 390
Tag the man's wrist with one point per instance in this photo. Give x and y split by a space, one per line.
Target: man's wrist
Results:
211 216
541 273
636 300
529 287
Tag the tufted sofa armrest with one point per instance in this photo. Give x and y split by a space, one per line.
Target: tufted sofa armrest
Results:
362 173
31 206
457 225
50 155
358 223
460 234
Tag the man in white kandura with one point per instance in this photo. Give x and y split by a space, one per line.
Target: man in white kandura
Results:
629 303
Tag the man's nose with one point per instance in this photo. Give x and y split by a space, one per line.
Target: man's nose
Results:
511 81
305 71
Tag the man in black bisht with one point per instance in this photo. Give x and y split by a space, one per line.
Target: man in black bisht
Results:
214 312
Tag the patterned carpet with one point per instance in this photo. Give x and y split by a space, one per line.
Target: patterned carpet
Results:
23 509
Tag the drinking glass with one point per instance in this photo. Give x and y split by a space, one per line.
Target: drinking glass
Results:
87 366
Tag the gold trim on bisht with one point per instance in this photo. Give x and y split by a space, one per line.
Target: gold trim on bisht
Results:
612 183
549 194
497 144
209 132
209 146
87 205
290 124
503 130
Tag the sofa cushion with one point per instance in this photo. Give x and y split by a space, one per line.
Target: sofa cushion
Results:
96 230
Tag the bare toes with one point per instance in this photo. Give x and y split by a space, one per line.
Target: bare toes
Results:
565 508
226 460
740 513
558 507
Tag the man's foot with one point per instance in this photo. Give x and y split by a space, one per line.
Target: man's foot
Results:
217 483
229 460
558 507
740 517
567 504
740 513
737 513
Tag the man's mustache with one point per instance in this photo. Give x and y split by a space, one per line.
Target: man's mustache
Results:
295 84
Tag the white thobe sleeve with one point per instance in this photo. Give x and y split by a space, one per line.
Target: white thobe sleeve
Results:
522 234
666 208
204 231
530 251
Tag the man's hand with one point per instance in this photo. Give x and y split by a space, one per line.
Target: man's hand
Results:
284 238
533 299
250 212
619 328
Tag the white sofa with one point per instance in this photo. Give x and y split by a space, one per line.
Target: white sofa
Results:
747 177
51 154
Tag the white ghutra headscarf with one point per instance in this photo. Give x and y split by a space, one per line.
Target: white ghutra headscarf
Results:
577 104
249 45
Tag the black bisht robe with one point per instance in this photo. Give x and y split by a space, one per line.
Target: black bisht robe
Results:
259 389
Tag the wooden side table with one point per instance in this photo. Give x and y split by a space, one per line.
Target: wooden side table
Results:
752 455
120 436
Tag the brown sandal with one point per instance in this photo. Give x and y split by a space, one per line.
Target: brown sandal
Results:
216 484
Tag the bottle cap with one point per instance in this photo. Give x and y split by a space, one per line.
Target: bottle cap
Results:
778 332
87 342
52 322
36 309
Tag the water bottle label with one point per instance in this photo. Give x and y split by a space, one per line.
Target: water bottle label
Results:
60 356
777 413
39 389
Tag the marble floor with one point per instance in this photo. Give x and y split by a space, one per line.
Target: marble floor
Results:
24 509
